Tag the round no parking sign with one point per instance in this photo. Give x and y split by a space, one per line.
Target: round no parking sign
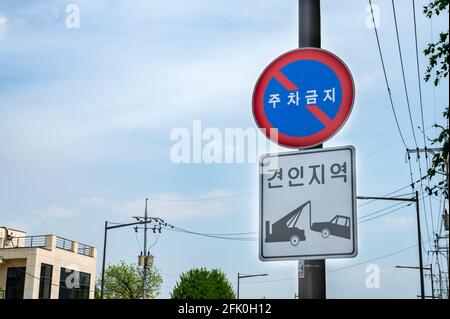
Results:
306 94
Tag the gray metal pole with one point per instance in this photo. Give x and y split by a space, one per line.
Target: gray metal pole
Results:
144 285
432 281
419 238
102 288
309 23
313 285
237 295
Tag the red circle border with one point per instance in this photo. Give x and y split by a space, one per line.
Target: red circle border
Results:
348 96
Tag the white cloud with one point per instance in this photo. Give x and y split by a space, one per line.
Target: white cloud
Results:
179 207
93 201
171 207
3 26
399 223
58 212
365 82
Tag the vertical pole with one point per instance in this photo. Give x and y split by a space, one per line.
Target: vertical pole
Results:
312 286
432 281
103 262
448 206
419 238
309 23
144 285
237 294
440 279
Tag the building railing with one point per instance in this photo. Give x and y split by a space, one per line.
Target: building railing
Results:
27 242
85 250
49 242
63 243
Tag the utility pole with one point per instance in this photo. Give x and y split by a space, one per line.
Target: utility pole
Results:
107 228
419 238
144 284
312 285
102 288
432 280
433 151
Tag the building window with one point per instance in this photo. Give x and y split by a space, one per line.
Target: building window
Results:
15 282
45 281
74 284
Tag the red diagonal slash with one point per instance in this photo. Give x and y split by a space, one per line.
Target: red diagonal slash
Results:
320 115
284 81
314 109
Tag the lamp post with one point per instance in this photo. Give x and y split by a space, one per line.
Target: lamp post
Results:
415 200
241 276
423 268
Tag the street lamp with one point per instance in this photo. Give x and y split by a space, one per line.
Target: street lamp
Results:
240 276
423 268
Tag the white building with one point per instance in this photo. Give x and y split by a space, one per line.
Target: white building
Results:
45 267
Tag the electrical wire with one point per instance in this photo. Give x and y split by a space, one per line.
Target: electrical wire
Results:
385 76
391 193
409 108
381 210
201 199
178 229
393 144
403 73
419 82
342 268
389 212
373 259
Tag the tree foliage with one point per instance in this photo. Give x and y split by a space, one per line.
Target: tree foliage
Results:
199 283
437 52
437 69
125 281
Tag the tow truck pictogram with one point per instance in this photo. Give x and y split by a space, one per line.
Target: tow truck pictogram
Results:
286 230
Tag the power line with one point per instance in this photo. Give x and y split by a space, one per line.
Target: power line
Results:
393 192
181 230
201 198
381 210
392 145
374 259
419 82
403 72
392 211
409 105
385 75
343 268
390 94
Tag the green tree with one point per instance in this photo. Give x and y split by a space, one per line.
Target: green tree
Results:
199 283
125 281
437 69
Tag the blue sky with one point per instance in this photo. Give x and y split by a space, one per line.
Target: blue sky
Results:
86 115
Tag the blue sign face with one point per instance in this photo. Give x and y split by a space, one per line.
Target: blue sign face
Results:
287 109
306 94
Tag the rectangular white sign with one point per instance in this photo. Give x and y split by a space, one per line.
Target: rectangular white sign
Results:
308 204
